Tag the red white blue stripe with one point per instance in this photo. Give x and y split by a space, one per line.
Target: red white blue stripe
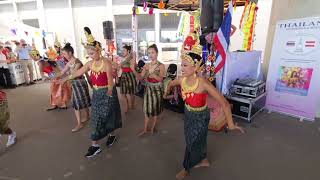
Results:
222 39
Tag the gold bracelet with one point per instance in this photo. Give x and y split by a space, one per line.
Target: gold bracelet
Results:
70 77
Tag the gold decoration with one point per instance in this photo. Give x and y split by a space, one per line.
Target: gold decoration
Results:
99 87
186 57
70 77
34 52
56 41
161 4
90 38
197 49
97 70
52 54
186 89
196 109
91 41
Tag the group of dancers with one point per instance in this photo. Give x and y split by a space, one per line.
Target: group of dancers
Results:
105 116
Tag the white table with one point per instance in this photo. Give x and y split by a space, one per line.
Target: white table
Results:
16 71
17 75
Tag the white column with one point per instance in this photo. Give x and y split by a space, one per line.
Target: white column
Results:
109 10
15 10
135 35
157 26
157 30
42 16
110 17
74 43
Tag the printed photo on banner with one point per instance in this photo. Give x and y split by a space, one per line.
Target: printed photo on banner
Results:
294 80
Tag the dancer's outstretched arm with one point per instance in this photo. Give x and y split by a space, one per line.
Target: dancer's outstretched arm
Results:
214 93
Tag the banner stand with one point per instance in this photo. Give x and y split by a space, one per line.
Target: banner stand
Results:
293 74
301 119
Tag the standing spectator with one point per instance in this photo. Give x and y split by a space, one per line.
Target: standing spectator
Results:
11 56
5 51
5 78
23 55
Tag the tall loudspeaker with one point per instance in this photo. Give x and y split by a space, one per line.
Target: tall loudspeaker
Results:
108 30
211 15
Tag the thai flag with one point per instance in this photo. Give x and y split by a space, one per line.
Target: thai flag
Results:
222 39
310 43
291 43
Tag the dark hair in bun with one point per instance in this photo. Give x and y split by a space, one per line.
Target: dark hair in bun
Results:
127 47
68 48
154 46
195 57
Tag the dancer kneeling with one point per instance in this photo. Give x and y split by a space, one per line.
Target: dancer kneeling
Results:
196 120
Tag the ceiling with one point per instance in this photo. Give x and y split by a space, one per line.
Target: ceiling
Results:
182 5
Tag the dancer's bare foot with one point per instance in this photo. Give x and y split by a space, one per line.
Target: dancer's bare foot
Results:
63 107
153 131
182 174
84 121
77 128
143 132
203 163
236 127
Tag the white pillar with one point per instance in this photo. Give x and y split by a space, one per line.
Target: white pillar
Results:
42 16
157 26
109 10
135 35
15 9
157 30
110 17
74 42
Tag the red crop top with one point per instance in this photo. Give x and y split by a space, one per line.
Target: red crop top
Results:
99 79
196 99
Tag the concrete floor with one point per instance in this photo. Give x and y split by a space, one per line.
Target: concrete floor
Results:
275 147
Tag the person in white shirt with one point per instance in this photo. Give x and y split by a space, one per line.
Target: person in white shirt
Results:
5 78
27 64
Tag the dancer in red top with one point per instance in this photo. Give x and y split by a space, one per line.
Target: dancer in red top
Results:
59 93
153 73
105 107
128 82
194 92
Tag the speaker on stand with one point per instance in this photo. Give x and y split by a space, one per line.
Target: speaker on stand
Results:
210 21
108 30
108 34
211 15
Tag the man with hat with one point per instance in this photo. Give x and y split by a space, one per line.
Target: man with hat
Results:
23 55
